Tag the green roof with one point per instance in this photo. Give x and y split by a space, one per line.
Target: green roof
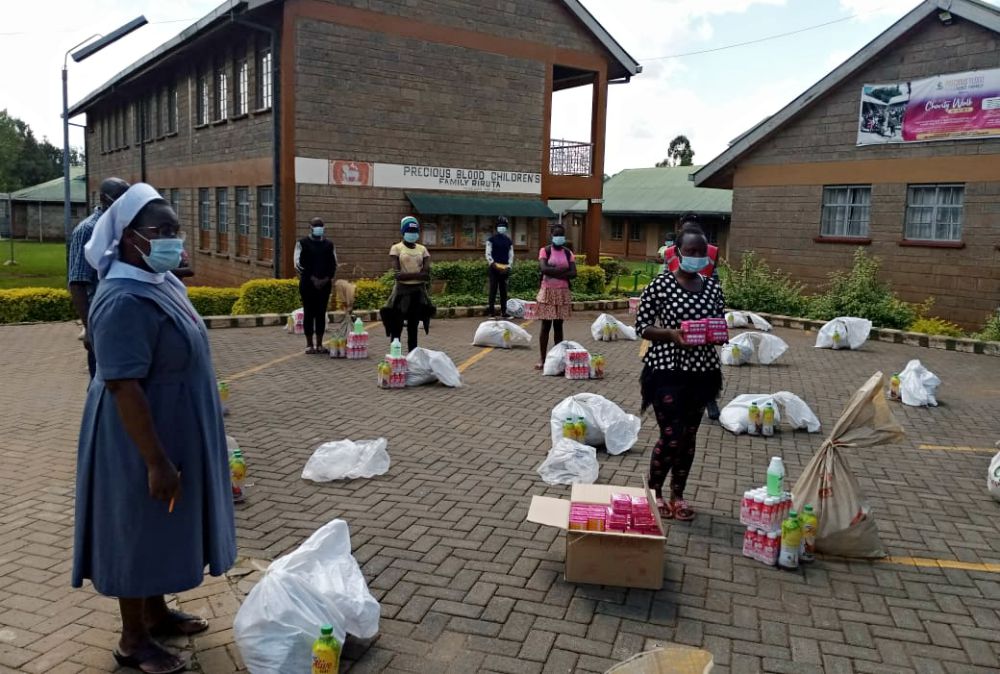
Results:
437 204
52 191
666 191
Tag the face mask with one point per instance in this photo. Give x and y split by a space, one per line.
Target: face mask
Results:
164 254
501 230
411 237
317 232
693 265
558 240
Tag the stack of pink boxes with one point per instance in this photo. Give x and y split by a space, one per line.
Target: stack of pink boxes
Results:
633 305
626 514
705 331
357 346
763 515
398 369
530 311
577 364
588 517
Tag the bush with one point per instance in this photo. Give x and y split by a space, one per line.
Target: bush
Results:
464 277
371 293
935 326
860 293
213 301
589 279
754 286
613 268
990 331
268 296
459 300
26 305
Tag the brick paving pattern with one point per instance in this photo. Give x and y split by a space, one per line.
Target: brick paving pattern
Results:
465 583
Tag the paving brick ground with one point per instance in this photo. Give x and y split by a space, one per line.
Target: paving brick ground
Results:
465 584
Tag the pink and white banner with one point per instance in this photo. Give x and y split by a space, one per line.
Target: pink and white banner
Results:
945 107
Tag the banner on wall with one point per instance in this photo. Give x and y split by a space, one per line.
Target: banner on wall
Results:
944 107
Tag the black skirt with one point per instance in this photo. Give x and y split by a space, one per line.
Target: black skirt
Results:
702 387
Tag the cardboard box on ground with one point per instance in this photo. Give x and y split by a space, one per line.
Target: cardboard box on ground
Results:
604 557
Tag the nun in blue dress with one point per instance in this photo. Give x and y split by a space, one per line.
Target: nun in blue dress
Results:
154 502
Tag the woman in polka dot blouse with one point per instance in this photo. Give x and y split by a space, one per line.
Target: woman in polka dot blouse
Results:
678 380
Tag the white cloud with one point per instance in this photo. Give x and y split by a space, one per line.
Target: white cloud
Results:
868 10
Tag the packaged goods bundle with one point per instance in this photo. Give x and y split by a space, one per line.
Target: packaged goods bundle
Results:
295 325
633 305
705 331
577 364
607 328
392 371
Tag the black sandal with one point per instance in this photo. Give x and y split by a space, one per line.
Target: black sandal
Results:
173 625
142 657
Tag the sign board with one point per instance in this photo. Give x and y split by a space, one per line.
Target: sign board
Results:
944 107
415 177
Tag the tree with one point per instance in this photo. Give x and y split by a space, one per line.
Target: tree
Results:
679 153
23 160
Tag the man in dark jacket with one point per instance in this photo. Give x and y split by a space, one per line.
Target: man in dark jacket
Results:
316 262
500 256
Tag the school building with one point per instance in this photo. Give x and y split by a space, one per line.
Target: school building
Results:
267 113
36 212
896 150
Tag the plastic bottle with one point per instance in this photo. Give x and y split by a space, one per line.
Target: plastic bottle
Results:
757 510
569 429
767 421
735 350
359 327
581 429
753 419
326 652
506 338
791 540
745 506
809 526
760 545
237 473
775 476
770 514
748 540
772 548
894 387
396 349
836 338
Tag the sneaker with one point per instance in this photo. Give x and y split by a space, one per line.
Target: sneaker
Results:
83 334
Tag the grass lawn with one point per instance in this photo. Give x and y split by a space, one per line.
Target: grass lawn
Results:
627 282
39 265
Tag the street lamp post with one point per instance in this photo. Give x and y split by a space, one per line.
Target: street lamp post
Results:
79 55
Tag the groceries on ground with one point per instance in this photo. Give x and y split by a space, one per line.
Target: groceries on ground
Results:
743 319
237 469
844 332
597 365
776 534
604 422
224 396
607 328
625 514
756 347
515 308
633 306
569 461
326 652
894 387
738 416
530 311
501 335
569 359
425 366
357 342
392 371
917 385
295 324
993 476
577 364
705 331
348 460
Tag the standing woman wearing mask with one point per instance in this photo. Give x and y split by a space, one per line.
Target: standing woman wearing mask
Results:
678 380
316 262
410 301
557 265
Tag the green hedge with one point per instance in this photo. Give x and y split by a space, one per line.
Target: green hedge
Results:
370 293
209 301
268 296
26 305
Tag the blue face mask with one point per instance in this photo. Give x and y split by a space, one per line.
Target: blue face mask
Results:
164 254
317 232
693 265
558 240
411 237
501 230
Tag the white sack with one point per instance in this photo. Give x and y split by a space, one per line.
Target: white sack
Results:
490 333
555 360
744 319
853 333
624 331
347 460
319 583
918 386
607 423
789 406
516 308
764 349
425 367
736 354
993 477
569 462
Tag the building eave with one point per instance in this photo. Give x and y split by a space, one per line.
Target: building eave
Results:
718 173
628 65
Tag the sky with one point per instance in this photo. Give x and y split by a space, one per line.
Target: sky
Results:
710 97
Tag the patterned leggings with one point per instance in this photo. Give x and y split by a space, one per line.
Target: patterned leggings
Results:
678 419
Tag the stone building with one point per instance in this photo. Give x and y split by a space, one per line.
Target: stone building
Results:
36 212
863 158
266 113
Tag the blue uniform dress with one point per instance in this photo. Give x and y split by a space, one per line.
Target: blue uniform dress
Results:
127 543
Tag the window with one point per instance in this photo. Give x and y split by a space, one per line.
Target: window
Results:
846 211
635 231
265 222
158 112
222 219
617 230
204 219
116 130
241 84
264 65
934 212
104 133
221 109
172 107
175 202
124 124
243 221
148 104
201 99
446 231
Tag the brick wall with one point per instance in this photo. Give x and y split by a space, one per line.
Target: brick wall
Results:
780 221
29 218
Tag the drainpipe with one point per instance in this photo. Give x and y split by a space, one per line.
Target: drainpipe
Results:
275 132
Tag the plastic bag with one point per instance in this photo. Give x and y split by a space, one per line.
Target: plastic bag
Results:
736 354
490 333
607 423
993 477
744 319
555 359
426 367
844 332
789 406
295 325
516 307
622 331
846 526
319 583
764 349
918 386
570 462
347 460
